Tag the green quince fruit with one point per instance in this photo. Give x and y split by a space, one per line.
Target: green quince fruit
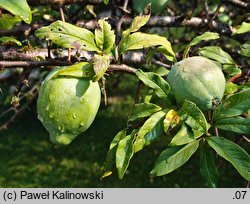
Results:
199 80
67 106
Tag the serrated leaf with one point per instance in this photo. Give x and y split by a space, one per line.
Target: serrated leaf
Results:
184 136
124 153
231 69
8 21
140 40
10 40
234 124
142 110
107 167
234 105
233 153
203 37
101 64
171 120
208 169
193 116
245 49
217 54
151 129
19 8
244 28
68 36
104 36
174 157
138 22
154 81
81 69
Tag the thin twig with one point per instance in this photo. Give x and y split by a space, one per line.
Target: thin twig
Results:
245 138
103 82
33 92
138 92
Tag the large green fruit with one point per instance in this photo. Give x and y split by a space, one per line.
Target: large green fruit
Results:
156 5
199 80
67 106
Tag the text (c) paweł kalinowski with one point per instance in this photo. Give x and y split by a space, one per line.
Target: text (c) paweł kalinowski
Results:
64 195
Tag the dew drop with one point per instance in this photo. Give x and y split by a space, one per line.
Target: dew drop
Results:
51 115
74 115
82 124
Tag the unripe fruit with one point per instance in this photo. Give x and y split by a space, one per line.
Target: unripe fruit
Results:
199 80
67 106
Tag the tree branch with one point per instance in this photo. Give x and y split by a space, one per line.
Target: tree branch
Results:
121 68
51 62
238 3
11 54
169 21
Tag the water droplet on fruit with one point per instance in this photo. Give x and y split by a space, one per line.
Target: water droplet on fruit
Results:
82 124
51 115
47 107
74 115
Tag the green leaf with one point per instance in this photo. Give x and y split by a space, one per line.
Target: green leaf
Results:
174 157
81 69
104 36
106 1
244 28
231 88
124 153
138 22
233 153
205 36
19 8
184 136
245 49
8 21
151 129
217 54
193 116
142 110
234 124
140 40
234 105
68 36
208 169
231 69
171 120
10 40
111 155
101 64
154 81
